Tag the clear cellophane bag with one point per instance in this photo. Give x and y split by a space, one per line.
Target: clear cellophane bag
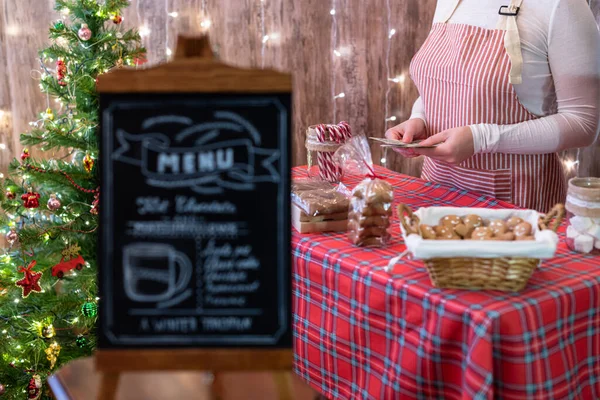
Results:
370 209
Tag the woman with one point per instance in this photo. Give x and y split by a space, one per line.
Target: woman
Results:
503 89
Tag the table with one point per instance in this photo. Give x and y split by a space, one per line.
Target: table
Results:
79 380
363 333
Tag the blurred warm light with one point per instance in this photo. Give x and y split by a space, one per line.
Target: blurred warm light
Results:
144 31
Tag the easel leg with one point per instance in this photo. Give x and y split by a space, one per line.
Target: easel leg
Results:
108 386
283 385
217 386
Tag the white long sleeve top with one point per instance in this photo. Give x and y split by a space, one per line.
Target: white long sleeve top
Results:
560 43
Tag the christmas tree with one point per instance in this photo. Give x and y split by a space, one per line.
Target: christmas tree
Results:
48 274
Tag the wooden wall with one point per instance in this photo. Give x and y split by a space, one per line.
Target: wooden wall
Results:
301 40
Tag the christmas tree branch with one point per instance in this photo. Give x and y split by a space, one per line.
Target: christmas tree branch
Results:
60 209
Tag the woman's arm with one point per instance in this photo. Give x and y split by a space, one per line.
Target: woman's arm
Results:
418 110
574 57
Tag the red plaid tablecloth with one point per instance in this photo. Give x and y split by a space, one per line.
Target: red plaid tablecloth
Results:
362 333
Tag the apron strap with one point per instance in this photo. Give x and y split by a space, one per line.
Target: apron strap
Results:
451 12
512 40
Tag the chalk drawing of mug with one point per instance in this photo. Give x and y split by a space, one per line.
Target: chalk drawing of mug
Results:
156 273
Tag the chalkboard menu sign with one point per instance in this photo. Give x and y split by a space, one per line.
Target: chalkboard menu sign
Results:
195 231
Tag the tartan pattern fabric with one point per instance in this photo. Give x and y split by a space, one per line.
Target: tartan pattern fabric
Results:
362 333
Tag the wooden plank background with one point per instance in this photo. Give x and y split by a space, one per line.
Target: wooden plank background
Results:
300 41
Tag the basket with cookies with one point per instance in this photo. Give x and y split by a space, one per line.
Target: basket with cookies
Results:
479 248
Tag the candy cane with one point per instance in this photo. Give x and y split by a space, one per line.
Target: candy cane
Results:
320 160
346 130
324 171
338 136
328 169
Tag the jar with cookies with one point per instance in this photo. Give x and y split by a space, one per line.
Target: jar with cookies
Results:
583 215
370 212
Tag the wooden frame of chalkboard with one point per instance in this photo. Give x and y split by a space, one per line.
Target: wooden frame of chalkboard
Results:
194 249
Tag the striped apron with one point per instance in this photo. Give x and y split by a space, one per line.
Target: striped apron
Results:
465 75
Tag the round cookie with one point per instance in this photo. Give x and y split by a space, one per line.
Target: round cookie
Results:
513 221
482 233
473 220
464 231
498 226
522 229
427 232
508 236
447 233
450 220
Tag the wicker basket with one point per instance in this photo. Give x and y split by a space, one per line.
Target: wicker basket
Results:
509 274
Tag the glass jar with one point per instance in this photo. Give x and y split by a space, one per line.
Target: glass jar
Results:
583 215
319 157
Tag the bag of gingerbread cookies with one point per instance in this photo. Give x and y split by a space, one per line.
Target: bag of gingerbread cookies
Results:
319 198
370 211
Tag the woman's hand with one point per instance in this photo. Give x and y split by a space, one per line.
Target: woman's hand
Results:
413 129
456 145
408 131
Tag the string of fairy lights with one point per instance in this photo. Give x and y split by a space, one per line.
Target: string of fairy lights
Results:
391 33
337 52
263 32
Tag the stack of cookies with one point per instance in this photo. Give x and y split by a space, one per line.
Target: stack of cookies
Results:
318 207
370 213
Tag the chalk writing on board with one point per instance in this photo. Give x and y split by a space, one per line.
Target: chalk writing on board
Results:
183 205
166 229
205 168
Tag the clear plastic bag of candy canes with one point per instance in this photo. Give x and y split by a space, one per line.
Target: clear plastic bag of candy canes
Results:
370 211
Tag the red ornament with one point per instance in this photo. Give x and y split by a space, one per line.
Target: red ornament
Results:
10 195
34 389
25 154
117 19
141 60
31 199
63 266
61 72
88 163
31 280
94 209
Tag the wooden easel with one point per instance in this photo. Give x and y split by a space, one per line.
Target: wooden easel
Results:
194 70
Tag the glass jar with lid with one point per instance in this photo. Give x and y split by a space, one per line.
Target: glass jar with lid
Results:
583 215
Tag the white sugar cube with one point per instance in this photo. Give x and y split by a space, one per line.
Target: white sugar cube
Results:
581 224
572 232
584 244
594 230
